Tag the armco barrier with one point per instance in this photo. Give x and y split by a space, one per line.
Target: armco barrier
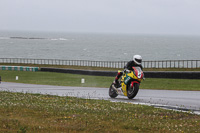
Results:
83 72
19 68
149 74
173 75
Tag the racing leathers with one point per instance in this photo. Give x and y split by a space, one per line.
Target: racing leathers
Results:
127 67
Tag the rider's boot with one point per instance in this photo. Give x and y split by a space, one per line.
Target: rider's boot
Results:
116 84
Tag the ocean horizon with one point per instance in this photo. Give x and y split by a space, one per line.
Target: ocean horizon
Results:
97 46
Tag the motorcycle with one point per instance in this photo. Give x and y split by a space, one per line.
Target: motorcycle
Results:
129 84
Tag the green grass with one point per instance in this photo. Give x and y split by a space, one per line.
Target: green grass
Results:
171 84
44 113
60 79
63 79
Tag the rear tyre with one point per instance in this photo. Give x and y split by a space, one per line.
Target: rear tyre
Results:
132 92
112 92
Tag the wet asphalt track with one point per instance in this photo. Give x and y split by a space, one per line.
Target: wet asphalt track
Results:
169 99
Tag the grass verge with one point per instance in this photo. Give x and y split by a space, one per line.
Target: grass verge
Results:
63 79
45 113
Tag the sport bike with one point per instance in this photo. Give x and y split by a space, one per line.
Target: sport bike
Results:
129 84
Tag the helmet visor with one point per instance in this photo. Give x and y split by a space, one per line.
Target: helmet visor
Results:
138 60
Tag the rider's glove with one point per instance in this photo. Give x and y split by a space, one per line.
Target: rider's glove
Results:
126 71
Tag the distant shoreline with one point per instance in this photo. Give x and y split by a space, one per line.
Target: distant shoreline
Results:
26 38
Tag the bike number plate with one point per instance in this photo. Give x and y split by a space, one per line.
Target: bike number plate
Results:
126 80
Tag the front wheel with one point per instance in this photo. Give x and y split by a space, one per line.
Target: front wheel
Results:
112 92
132 92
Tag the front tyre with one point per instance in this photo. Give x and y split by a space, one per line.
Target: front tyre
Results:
132 92
112 92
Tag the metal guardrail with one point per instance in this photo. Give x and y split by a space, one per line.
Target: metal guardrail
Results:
172 64
107 64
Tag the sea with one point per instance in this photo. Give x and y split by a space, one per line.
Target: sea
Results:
97 46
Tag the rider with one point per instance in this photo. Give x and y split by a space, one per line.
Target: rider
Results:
137 61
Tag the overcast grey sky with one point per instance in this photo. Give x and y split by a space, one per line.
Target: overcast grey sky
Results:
117 16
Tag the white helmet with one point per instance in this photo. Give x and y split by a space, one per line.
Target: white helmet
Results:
137 59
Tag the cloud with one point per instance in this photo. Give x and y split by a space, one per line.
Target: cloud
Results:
130 16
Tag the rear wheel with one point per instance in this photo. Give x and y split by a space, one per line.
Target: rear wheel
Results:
112 92
132 91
